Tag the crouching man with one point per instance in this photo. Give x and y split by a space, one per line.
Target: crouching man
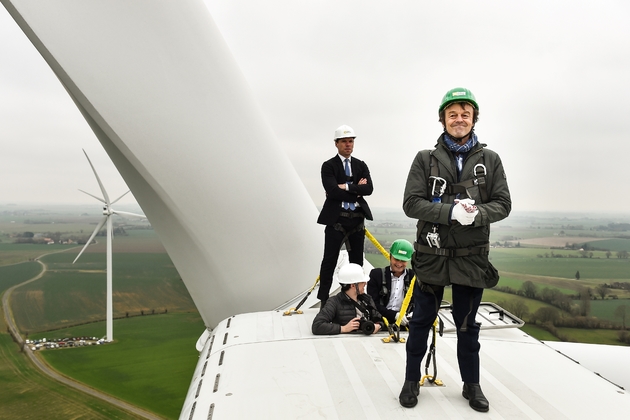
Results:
388 286
350 310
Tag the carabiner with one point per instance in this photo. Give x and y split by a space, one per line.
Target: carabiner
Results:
441 186
484 169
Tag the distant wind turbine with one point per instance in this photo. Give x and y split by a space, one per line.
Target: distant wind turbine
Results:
107 213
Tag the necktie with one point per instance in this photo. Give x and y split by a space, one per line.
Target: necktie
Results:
347 205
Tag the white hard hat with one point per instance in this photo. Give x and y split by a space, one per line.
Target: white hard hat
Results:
343 132
351 274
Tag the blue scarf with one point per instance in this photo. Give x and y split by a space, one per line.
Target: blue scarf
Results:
463 148
460 150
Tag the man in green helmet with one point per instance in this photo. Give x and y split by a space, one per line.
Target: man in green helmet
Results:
388 285
455 191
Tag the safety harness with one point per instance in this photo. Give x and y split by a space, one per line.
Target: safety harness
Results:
384 293
479 172
340 228
440 186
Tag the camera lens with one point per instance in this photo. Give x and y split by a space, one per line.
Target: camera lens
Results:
367 327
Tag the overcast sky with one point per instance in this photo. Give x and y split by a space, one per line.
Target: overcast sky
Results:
550 78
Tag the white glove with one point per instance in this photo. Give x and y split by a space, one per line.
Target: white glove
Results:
467 203
404 321
465 211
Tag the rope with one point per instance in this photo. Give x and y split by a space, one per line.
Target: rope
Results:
296 310
406 301
376 244
431 357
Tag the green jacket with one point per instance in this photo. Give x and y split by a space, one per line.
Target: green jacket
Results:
469 270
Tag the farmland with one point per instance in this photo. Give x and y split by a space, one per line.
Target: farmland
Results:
27 394
150 365
142 283
155 332
575 256
156 326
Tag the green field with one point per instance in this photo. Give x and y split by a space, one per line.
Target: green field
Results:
605 309
70 294
16 253
524 260
152 360
150 365
10 275
578 335
613 245
29 395
26 392
506 280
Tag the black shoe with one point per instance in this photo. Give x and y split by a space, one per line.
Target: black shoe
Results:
475 397
409 394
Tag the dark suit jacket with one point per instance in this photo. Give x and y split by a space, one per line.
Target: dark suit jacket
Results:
333 174
375 290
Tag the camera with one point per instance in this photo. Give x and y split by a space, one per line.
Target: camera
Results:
366 326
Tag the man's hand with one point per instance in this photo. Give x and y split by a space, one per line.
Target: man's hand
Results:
363 181
404 321
352 325
377 328
465 211
468 203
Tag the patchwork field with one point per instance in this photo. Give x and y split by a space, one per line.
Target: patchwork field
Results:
70 294
153 358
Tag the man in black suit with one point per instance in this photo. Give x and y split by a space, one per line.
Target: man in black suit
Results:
388 286
346 180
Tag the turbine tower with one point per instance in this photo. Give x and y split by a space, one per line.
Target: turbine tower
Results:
107 213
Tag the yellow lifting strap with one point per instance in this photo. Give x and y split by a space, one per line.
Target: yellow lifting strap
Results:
297 310
394 330
406 301
376 244
432 378
394 333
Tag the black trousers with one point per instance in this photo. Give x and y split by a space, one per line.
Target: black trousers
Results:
333 240
466 301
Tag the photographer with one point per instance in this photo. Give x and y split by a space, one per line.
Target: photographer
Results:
351 310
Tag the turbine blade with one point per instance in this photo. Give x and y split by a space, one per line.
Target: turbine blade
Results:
120 197
98 228
125 213
100 184
92 195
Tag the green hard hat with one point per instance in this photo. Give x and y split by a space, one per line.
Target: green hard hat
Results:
401 250
457 95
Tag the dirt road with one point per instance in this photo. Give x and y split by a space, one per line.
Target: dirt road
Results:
45 368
